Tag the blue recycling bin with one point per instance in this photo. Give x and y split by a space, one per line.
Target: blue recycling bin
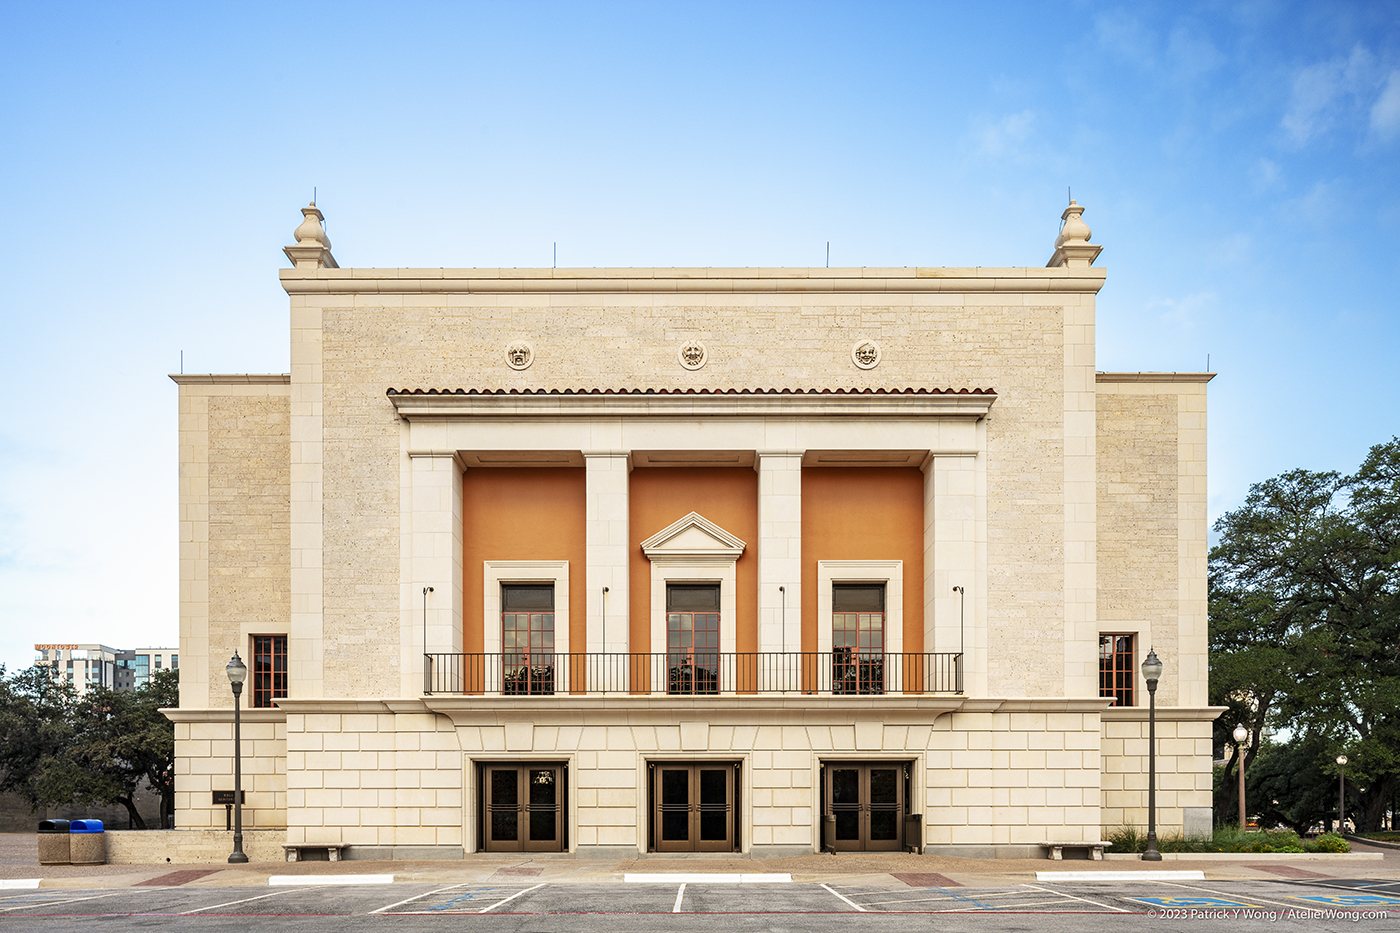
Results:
87 842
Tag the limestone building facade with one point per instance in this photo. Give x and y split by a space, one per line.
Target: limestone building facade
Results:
764 561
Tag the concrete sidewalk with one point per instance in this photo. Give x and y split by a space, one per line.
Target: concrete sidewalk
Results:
19 860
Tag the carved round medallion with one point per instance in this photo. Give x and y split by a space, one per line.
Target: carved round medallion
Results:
692 354
865 354
519 355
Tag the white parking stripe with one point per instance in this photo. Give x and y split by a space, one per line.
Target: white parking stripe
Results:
71 900
511 898
680 895
846 899
410 900
1121 910
243 901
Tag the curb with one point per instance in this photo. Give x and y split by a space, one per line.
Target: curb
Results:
1371 842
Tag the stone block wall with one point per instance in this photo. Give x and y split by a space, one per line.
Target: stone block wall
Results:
362 774
1002 781
235 496
192 846
1183 770
204 763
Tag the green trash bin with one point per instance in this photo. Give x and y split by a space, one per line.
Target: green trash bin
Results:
53 843
88 842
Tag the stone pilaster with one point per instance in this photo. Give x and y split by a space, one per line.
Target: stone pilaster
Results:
434 620
779 550
606 535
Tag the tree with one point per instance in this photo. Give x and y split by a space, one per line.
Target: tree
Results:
1305 619
125 742
59 749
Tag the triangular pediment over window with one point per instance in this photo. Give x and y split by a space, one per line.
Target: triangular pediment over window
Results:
693 537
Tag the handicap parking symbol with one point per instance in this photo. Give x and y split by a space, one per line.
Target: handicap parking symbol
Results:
1192 902
1351 900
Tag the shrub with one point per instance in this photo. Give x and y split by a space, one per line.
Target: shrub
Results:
1328 842
1224 839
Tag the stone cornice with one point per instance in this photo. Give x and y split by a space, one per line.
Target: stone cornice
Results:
411 406
494 710
1164 713
1153 377
186 714
220 379
914 279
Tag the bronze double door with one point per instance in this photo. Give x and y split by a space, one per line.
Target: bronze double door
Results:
867 800
693 807
523 808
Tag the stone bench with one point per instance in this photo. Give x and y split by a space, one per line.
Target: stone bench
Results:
293 850
1057 849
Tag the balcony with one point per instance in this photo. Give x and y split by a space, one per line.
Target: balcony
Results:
694 672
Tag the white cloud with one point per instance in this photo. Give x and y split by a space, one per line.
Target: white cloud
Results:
1125 36
1385 113
1186 313
1332 92
1192 55
1007 135
1265 174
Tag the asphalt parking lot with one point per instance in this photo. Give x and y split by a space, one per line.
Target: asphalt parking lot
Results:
1362 899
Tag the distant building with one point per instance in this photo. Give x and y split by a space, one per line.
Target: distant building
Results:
87 666
625 560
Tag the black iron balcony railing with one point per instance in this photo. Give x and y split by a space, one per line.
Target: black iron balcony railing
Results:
694 672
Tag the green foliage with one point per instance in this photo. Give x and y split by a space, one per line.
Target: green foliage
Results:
1327 842
1224 839
1305 635
57 749
1290 773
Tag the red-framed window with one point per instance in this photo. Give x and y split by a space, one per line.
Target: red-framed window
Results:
1117 673
692 638
527 638
858 638
269 669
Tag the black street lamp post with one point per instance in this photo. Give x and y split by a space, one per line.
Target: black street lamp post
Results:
237 673
1151 672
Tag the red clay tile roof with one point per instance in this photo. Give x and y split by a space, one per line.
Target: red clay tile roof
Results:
692 391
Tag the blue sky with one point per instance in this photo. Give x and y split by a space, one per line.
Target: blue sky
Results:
1238 162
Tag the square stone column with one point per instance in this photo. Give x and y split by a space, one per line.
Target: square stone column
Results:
780 560
606 535
952 549
435 509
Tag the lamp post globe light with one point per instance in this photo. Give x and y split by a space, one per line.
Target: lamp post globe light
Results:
237 673
1341 793
1241 733
1151 672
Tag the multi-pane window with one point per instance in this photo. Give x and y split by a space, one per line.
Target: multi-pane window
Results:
269 669
174 662
1116 671
527 638
858 638
692 638
143 669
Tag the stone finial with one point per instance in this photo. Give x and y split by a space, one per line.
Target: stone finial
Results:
1072 246
313 247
